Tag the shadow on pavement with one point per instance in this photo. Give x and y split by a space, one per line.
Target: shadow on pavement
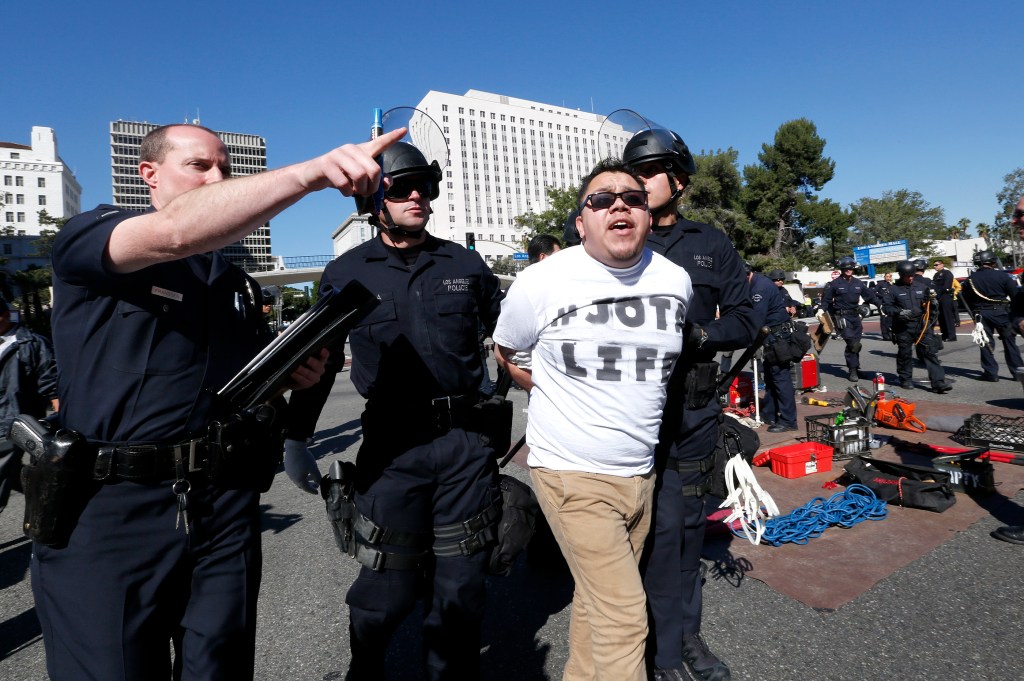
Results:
18 632
337 439
277 522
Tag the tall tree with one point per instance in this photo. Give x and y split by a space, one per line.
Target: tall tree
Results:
561 202
900 214
713 197
789 173
1003 237
44 244
829 221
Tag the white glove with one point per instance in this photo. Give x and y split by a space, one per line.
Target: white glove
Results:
301 467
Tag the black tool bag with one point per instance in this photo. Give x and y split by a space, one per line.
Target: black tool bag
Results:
787 346
518 522
733 438
903 484
967 473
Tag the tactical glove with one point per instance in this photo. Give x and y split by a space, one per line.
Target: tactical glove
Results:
908 314
301 467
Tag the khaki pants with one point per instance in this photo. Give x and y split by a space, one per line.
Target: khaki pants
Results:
600 522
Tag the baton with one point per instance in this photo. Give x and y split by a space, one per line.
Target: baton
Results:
738 365
512 452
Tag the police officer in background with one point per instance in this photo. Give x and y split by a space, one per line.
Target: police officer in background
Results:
920 265
911 304
149 320
426 496
779 407
778 278
842 298
989 292
884 320
948 318
720 317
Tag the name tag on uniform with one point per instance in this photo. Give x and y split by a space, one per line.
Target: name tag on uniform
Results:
164 293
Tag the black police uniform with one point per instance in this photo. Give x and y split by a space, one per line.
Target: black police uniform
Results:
842 298
914 297
421 466
769 304
140 357
989 292
943 283
884 320
688 435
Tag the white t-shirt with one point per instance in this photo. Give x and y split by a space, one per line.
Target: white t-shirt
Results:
604 342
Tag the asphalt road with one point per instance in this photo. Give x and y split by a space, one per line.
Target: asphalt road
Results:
956 613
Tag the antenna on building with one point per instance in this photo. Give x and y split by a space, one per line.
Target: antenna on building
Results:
591 105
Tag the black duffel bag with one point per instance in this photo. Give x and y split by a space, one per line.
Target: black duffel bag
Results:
733 438
903 484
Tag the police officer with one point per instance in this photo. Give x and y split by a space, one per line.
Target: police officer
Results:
779 406
842 298
920 265
989 292
149 320
426 499
692 417
778 278
911 304
884 320
948 318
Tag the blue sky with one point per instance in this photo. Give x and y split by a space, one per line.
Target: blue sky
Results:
908 94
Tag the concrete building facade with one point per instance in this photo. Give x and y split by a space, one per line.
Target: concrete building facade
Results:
34 178
248 156
504 153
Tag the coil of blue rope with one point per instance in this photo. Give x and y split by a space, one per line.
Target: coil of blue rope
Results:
855 504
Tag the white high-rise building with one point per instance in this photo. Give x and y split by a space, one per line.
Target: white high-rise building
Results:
504 153
35 178
248 156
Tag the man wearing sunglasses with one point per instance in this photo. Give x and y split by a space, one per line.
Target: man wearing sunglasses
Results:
426 501
720 318
605 323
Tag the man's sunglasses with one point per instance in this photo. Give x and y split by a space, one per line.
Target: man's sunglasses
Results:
403 187
1018 213
634 198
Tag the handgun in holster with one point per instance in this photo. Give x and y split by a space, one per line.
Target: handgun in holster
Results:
338 489
245 449
701 384
57 481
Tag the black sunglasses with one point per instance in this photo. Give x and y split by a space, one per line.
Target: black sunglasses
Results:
1017 213
403 187
634 198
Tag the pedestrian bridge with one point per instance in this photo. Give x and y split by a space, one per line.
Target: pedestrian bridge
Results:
302 268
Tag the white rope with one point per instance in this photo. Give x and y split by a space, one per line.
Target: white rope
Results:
751 505
979 336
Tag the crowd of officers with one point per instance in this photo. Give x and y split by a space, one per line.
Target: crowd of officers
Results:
149 320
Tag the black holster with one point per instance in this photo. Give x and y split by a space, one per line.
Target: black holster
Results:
492 419
245 450
337 489
701 384
57 483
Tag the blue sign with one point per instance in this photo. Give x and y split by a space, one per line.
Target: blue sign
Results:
520 256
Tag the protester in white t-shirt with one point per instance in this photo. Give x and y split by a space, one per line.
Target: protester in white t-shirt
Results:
604 322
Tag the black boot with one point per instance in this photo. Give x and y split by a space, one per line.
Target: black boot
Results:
1011 533
701 662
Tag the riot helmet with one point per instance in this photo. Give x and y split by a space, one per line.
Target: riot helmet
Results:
408 169
906 269
920 264
663 146
985 257
777 275
847 263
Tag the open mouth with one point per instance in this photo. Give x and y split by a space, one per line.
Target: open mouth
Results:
621 225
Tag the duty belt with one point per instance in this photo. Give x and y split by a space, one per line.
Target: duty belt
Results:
147 462
705 465
447 410
998 305
779 328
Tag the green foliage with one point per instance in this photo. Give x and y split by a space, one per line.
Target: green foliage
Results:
713 197
551 221
1003 236
900 214
44 244
789 173
829 221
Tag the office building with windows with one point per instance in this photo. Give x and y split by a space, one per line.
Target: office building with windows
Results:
35 178
504 153
248 156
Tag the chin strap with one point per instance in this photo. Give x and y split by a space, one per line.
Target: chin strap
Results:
669 205
393 230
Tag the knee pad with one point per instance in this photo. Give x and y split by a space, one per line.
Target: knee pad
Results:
853 346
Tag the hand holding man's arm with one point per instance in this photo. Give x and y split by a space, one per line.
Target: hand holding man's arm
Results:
522 377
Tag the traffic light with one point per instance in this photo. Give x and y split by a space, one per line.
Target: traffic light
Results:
471 241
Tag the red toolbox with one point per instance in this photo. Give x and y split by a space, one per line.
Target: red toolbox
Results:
800 459
805 373
741 392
